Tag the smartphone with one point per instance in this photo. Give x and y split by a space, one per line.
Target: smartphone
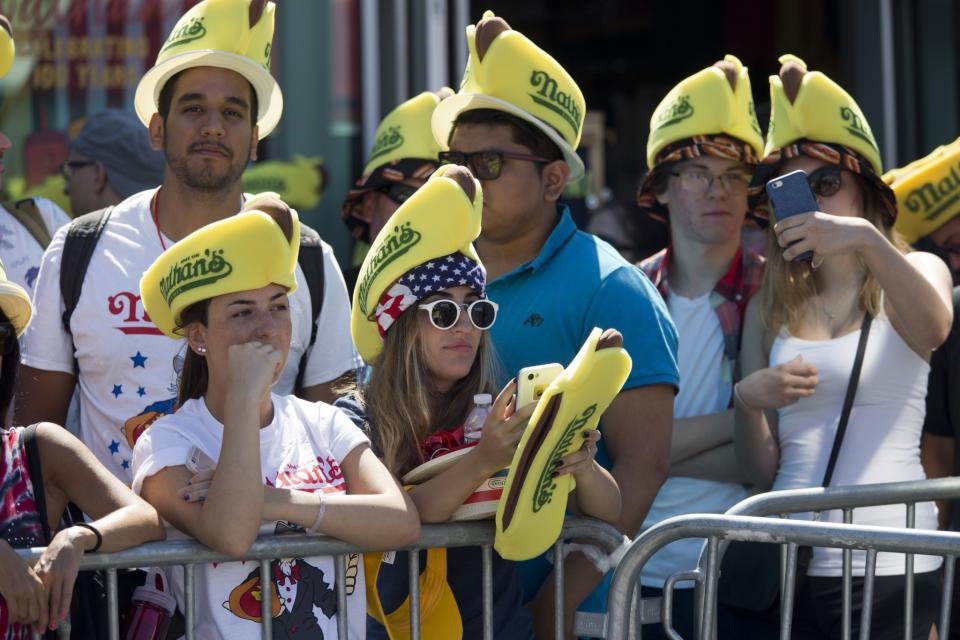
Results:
533 381
790 195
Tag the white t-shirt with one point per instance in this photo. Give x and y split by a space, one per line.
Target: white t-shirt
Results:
128 369
302 448
20 252
702 392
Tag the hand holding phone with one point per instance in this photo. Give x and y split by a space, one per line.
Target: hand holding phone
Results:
533 381
791 195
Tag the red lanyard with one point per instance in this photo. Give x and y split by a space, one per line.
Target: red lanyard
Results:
156 218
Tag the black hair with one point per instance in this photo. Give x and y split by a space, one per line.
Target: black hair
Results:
524 133
195 376
9 370
166 97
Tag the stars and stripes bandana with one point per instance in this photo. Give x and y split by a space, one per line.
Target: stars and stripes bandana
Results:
426 279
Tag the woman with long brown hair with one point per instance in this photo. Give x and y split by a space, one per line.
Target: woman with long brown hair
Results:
804 328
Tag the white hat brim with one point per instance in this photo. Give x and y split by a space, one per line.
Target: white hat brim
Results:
449 108
269 96
16 305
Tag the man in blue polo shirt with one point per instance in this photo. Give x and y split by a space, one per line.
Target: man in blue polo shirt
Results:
516 123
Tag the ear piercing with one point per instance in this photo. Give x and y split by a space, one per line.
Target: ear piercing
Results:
201 350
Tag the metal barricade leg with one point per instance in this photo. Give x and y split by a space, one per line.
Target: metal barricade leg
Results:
189 601
414 580
487 594
908 590
266 597
847 583
709 611
558 588
949 567
113 614
340 568
787 594
866 610
666 607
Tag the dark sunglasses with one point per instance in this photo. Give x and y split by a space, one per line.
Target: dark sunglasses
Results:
397 192
68 167
8 338
486 165
444 314
825 181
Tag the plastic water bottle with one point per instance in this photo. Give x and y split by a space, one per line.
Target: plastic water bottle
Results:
473 427
152 606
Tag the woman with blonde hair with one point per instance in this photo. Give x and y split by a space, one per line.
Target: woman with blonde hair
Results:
803 331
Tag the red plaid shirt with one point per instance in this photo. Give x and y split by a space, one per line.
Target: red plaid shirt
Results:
729 297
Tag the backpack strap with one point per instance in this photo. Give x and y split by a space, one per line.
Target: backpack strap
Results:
311 262
78 248
28 215
28 437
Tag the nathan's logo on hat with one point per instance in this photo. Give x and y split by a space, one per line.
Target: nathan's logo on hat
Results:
680 110
387 141
197 270
403 238
559 102
931 199
193 30
547 483
858 126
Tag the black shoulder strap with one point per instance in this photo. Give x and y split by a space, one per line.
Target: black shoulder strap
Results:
28 215
848 400
311 262
78 248
29 439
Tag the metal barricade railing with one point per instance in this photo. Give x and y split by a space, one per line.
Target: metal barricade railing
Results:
189 554
621 603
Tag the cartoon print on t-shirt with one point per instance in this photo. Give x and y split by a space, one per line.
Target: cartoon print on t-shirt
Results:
299 589
134 427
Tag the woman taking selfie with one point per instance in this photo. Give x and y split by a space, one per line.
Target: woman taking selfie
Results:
282 463
422 323
802 335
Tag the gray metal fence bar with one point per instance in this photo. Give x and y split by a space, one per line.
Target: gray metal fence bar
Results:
340 568
908 590
413 571
847 612
558 630
113 628
190 600
788 593
866 612
487 593
778 531
666 608
949 566
266 599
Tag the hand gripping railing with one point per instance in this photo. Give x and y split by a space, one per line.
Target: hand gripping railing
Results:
189 553
792 533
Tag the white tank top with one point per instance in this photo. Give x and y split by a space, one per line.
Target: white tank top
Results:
882 441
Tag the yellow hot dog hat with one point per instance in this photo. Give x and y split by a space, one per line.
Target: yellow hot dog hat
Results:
242 252
298 181
439 221
15 303
507 72
812 115
403 148
927 191
531 511
7 48
229 34
709 113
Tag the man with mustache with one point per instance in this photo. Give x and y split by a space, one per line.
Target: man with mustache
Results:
206 103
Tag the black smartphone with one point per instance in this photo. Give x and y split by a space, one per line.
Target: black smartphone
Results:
790 195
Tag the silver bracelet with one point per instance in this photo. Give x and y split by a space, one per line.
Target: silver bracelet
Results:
323 509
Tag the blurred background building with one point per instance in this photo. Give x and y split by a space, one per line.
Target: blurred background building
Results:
342 64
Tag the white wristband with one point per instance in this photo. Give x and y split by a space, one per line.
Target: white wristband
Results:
323 509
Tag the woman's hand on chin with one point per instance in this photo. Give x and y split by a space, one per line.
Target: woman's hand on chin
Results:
252 367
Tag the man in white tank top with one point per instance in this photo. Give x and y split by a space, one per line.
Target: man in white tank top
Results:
701 158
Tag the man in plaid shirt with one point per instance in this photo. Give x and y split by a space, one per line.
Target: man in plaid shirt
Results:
703 144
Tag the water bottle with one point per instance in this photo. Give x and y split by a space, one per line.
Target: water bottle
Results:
151 608
473 427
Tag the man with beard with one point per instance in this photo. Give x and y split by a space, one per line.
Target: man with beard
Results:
206 103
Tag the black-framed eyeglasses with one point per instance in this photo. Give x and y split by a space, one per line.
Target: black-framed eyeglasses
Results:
486 165
398 192
444 314
8 337
68 167
826 181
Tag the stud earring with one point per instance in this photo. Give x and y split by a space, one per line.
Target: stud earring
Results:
201 350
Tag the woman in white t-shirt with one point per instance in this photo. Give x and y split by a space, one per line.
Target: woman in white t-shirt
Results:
800 339
282 464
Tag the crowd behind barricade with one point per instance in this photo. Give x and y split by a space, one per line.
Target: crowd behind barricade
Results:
786 337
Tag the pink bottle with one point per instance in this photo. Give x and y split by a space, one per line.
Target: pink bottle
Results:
151 608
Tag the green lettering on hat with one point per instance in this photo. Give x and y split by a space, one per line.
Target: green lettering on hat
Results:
398 242
194 271
386 142
186 33
680 110
547 484
561 103
858 127
931 200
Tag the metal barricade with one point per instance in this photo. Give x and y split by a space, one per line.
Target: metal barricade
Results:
189 554
621 602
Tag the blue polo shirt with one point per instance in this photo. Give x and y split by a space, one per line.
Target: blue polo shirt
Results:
548 307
